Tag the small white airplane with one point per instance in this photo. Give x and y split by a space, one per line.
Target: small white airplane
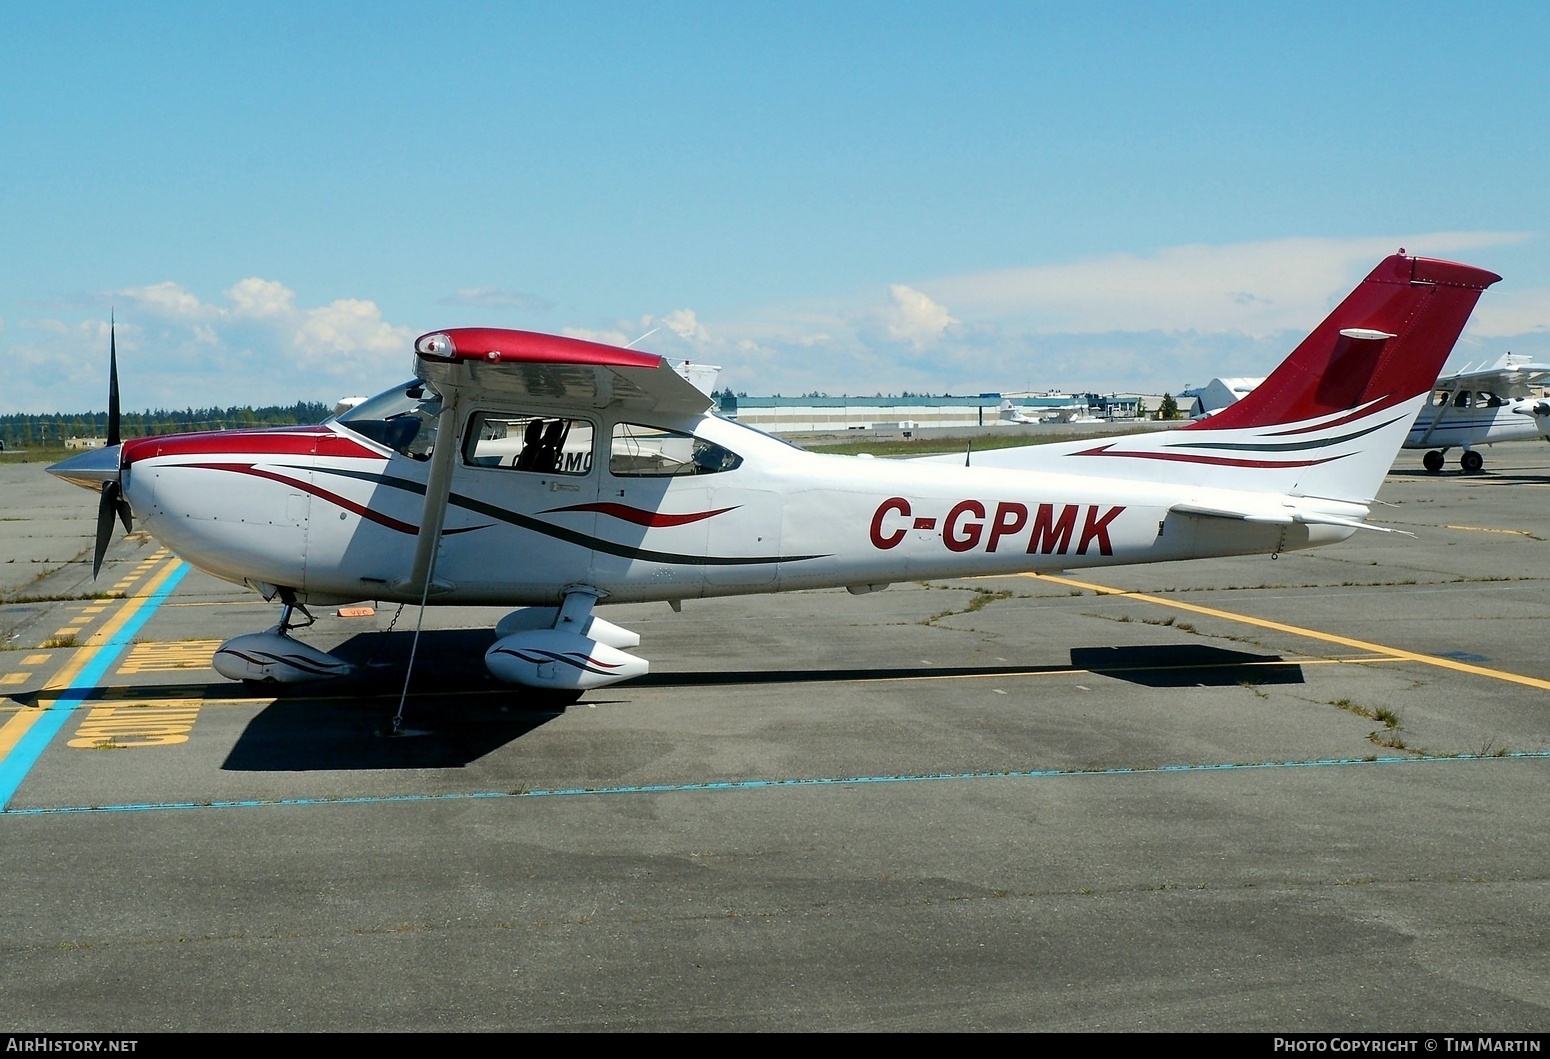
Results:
1479 406
552 475
1075 411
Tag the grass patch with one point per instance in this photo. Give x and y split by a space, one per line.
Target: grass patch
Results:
1388 735
54 642
38 454
75 598
897 448
982 597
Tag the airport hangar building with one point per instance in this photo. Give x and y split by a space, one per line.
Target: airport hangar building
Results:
785 415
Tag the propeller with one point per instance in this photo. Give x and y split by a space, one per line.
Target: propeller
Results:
112 502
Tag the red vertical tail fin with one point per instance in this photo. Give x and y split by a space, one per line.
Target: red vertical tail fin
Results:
1384 344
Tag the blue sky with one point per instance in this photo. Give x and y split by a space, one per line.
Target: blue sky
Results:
853 198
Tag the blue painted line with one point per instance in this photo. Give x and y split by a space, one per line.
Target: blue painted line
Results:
745 785
19 762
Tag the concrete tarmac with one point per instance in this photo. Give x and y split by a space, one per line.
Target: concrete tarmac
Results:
1302 794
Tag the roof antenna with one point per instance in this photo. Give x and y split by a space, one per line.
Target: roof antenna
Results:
645 336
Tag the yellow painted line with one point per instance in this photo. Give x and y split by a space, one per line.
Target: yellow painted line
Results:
1483 529
83 655
169 657
13 678
12 731
34 660
1314 634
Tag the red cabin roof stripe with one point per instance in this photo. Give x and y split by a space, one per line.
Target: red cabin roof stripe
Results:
273 441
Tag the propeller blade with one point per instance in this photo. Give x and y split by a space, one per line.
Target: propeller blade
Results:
112 383
121 504
106 510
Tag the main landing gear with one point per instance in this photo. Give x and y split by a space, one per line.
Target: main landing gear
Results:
273 657
1470 461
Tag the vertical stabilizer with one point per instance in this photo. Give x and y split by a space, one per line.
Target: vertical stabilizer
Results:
1384 344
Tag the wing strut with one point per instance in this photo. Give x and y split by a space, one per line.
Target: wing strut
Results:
438 486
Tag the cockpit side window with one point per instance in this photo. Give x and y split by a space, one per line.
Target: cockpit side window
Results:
521 442
639 451
1462 400
403 419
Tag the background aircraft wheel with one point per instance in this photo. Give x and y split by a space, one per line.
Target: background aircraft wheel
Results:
1432 461
1471 462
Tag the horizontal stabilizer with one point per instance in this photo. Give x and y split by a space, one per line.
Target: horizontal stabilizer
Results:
1282 514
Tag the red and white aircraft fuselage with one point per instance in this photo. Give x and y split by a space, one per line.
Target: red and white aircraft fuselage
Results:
549 473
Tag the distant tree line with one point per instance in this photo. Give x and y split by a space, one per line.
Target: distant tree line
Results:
22 431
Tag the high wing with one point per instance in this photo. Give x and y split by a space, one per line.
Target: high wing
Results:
466 363
1513 376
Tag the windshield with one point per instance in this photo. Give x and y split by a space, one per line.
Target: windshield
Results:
403 419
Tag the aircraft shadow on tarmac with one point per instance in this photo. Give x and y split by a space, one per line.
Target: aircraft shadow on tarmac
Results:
455 712
1485 477
346 725
1186 666
1164 666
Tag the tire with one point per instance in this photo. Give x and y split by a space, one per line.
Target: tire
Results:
1471 462
1432 461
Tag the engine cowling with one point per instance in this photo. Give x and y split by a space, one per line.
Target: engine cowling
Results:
550 658
271 658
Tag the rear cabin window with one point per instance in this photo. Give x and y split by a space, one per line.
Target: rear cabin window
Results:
544 444
639 451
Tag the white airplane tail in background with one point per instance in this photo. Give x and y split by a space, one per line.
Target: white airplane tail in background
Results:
1329 421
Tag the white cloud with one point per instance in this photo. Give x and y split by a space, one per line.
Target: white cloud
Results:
684 324
609 338
175 350
498 298
1151 323
262 299
914 318
167 299
1508 313
1256 288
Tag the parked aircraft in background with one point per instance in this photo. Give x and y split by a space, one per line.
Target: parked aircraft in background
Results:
1477 407
1075 410
1199 402
552 475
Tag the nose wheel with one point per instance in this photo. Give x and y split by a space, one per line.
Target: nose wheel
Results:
1432 461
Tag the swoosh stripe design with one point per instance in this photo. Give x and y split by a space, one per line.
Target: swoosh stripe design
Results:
641 517
1283 446
1383 404
300 662
582 540
574 659
323 494
1215 461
